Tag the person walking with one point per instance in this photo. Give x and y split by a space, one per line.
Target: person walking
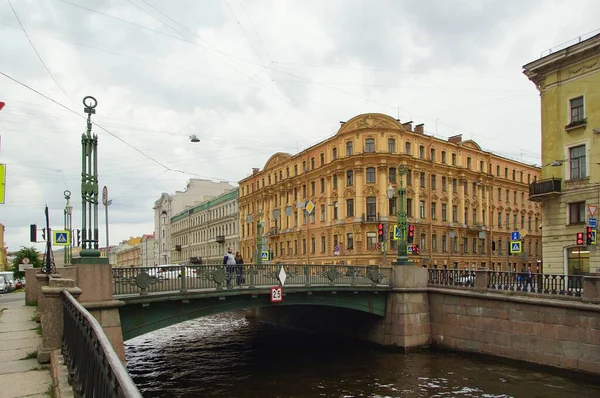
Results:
239 265
229 262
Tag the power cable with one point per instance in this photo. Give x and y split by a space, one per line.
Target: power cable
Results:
37 53
83 117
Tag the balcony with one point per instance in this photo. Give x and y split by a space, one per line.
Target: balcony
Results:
540 190
220 238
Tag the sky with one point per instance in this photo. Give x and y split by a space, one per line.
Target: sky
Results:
249 78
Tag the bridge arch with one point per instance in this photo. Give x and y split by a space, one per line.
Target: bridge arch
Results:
145 314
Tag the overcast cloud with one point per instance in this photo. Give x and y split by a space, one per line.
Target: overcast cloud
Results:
251 78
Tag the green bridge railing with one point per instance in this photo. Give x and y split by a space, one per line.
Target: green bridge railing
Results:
173 278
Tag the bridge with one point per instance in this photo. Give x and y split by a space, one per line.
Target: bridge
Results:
156 297
547 319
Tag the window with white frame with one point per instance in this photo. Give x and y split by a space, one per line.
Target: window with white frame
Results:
577 162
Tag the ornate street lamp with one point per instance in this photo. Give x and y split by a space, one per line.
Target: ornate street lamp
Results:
402 218
68 214
259 242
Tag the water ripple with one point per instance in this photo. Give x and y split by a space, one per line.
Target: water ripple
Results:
228 356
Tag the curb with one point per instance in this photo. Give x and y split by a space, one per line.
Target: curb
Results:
60 376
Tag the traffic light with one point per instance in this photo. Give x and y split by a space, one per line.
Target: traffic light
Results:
415 249
33 233
589 235
580 238
378 245
380 232
43 233
410 237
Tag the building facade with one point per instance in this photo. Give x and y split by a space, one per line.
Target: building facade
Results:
463 201
148 250
167 206
129 253
568 80
205 231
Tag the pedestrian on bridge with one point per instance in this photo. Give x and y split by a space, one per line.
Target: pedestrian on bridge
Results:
239 268
229 262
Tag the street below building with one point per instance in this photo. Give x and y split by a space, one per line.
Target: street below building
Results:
228 356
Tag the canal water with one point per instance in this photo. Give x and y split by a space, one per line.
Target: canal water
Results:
228 356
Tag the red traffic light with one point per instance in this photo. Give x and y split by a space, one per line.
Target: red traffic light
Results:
380 229
589 235
580 238
415 249
410 236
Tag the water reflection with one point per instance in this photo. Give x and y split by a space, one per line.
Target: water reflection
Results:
228 356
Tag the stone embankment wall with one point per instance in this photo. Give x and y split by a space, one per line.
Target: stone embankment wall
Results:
549 331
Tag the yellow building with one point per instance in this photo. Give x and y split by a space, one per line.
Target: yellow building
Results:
568 79
463 201
129 253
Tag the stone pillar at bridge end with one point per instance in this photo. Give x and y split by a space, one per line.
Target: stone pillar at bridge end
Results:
407 320
94 277
52 315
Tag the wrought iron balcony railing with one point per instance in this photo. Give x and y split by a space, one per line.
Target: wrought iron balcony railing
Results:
540 189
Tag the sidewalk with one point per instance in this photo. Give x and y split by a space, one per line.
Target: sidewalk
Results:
19 339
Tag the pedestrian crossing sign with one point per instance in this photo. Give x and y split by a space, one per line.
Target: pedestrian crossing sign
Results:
397 232
515 247
264 255
61 238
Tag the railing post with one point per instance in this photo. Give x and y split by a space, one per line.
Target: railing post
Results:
482 279
252 275
52 317
306 275
591 288
183 280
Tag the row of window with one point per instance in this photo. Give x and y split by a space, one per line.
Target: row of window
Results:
372 215
204 251
477 188
206 234
369 147
468 246
206 216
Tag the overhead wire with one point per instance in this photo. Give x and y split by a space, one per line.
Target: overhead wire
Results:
37 53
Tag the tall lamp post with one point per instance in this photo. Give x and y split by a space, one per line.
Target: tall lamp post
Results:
259 215
68 213
402 218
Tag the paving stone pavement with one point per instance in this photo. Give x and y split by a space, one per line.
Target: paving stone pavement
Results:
20 377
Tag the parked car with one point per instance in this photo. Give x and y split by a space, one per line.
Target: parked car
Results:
19 284
4 285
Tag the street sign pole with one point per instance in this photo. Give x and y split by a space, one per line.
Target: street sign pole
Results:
508 256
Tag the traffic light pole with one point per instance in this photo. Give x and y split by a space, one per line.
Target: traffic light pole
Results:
402 220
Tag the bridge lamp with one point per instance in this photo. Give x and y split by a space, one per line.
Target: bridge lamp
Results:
401 216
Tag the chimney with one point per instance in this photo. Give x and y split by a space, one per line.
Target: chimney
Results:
455 139
420 128
255 170
408 125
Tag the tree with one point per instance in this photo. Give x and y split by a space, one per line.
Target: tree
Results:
30 253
